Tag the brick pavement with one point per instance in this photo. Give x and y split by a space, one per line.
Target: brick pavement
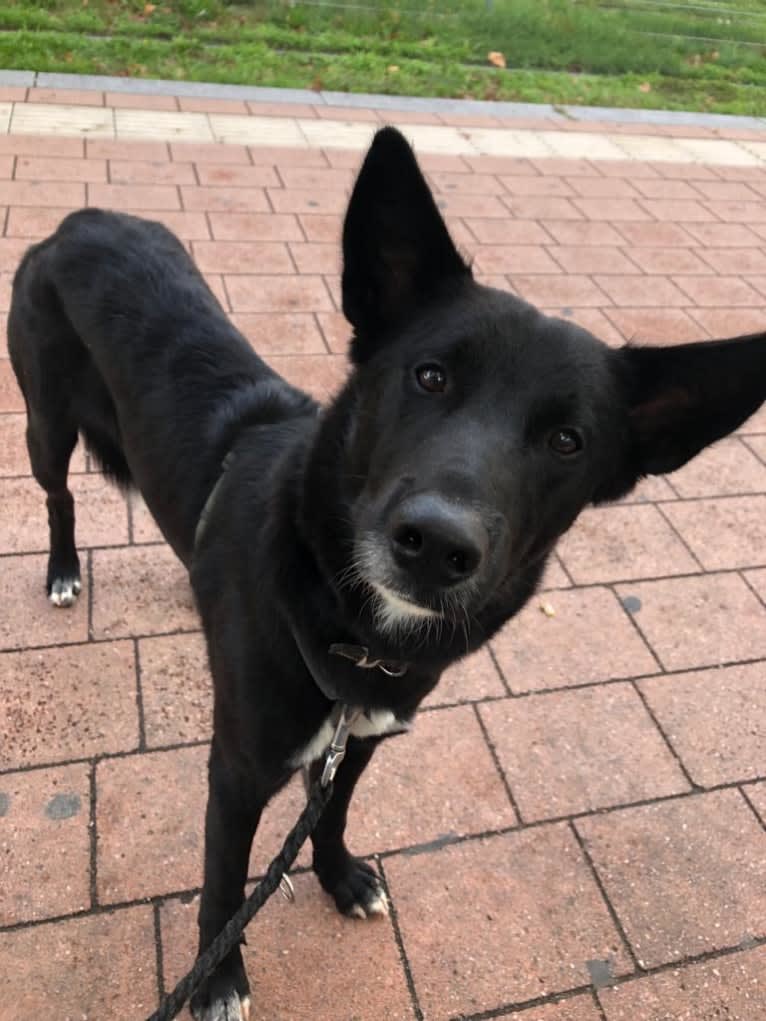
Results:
574 831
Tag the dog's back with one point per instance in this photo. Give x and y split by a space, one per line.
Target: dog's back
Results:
113 334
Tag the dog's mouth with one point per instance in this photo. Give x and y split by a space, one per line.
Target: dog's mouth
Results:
399 606
395 612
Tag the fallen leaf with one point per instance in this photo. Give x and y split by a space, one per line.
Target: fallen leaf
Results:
644 87
496 58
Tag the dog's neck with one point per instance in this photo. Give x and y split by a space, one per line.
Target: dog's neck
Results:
345 672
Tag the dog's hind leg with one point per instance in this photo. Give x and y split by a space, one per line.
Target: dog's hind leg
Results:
353 884
50 445
47 358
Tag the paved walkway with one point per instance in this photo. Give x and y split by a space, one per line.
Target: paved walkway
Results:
445 128
574 831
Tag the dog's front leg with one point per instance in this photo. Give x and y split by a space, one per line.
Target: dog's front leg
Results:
353 884
233 811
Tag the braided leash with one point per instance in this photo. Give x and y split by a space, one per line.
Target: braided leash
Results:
229 936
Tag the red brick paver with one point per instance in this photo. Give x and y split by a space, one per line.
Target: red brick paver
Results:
503 896
577 751
100 966
45 843
732 988
552 643
715 720
671 868
574 830
459 789
576 1008
67 703
296 942
703 620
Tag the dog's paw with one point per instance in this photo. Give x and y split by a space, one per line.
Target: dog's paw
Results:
358 891
64 591
221 1005
224 995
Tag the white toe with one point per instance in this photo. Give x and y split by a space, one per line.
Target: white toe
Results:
379 906
64 591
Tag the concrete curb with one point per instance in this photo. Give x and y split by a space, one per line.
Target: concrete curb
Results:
210 90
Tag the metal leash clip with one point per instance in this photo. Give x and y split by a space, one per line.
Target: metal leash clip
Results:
336 753
286 888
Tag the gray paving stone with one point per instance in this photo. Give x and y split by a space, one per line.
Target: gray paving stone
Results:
20 78
686 117
160 87
439 105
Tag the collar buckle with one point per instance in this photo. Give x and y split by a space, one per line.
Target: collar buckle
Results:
360 656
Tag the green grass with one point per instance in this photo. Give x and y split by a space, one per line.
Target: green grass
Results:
703 55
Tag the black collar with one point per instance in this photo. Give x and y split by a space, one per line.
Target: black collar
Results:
357 654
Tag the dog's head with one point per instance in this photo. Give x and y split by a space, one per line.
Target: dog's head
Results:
475 428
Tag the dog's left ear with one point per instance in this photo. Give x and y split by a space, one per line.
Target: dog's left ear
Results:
680 399
397 252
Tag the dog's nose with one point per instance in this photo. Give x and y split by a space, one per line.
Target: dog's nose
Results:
439 542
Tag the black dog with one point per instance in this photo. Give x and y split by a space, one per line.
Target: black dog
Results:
407 521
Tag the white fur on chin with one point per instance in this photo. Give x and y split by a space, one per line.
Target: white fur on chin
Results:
395 613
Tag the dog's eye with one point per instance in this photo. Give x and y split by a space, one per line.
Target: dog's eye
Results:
431 378
566 441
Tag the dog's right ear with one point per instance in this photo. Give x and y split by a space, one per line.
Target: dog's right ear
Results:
397 252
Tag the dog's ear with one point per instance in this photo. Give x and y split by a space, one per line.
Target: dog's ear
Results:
397 252
680 399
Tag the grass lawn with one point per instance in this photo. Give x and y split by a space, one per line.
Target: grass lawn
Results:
686 54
